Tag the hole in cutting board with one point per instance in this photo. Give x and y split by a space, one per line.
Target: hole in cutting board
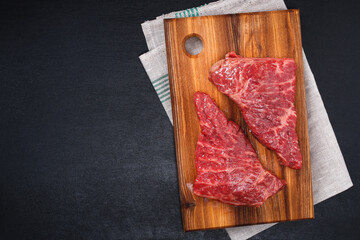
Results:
193 45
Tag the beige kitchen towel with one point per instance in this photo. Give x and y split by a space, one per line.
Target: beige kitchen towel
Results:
329 173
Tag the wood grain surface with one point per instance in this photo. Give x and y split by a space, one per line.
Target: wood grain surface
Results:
264 34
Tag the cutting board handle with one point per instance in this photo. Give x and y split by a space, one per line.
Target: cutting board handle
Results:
193 45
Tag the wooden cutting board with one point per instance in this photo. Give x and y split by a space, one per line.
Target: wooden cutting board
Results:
263 34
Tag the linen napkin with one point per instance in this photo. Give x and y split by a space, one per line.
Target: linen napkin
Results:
329 173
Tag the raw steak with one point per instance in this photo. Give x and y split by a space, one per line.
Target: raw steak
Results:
227 166
264 89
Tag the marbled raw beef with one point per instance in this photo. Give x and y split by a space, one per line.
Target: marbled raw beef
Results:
227 165
264 89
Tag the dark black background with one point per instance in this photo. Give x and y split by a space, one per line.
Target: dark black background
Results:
86 148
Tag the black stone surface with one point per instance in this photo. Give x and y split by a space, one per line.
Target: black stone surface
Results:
86 149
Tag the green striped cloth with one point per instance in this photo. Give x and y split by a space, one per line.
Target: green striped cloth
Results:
155 65
162 87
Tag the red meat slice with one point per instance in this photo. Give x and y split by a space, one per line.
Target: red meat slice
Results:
227 166
264 89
